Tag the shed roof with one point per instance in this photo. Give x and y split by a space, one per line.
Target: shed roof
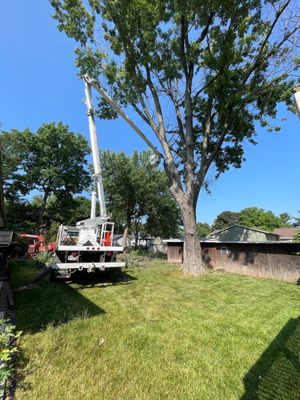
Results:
244 227
248 243
173 240
287 233
6 237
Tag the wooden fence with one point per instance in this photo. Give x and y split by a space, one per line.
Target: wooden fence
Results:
275 260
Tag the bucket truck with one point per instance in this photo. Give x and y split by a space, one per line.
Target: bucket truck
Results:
88 245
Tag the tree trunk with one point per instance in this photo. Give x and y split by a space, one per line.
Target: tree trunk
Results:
192 259
125 238
41 211
136 235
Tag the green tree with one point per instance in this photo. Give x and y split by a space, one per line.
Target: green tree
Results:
203 229
79 209
296 221
64 209
226 219
286 220
21 215
259 218
12 148
51 161
163 215
137 194
297 237
67 211
201 75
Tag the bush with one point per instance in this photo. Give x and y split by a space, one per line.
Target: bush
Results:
297 237
8 336
43 259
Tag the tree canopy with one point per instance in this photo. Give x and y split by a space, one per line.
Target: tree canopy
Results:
52 164
50 161
226 219
286 220
296 221
252 217
203 229
260 218
137 194
201 75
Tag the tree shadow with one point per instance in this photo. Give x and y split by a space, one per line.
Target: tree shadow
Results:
51 304
20 361
102 279
276 375
243 254
55 303
206 259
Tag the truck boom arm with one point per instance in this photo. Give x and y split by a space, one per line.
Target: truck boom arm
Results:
100 90
95 155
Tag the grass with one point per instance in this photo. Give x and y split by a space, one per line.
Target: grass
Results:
158 334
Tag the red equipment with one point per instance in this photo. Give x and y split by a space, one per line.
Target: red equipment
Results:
38 245
107 240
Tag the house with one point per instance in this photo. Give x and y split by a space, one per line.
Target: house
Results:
157 245
119 241
287 234
240 233
143 240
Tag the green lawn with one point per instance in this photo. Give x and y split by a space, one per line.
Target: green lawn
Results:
158 334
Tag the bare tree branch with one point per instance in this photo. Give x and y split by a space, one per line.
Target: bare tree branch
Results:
207 131
257 61
170 165
169 91
206 29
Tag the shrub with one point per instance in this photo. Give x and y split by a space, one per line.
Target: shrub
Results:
43 259
297 237
8 337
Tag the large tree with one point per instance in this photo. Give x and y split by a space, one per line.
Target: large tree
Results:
200 74
12 147
50 161
226 219
63 210
286 220
296 220
137 194
203 229
259 218
251 217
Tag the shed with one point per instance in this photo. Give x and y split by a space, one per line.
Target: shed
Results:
266 259
242 233
174 250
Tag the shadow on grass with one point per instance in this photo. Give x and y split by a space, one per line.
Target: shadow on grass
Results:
84 279
55 303
276 375
51 304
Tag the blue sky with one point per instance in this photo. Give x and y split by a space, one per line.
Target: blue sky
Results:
39 84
